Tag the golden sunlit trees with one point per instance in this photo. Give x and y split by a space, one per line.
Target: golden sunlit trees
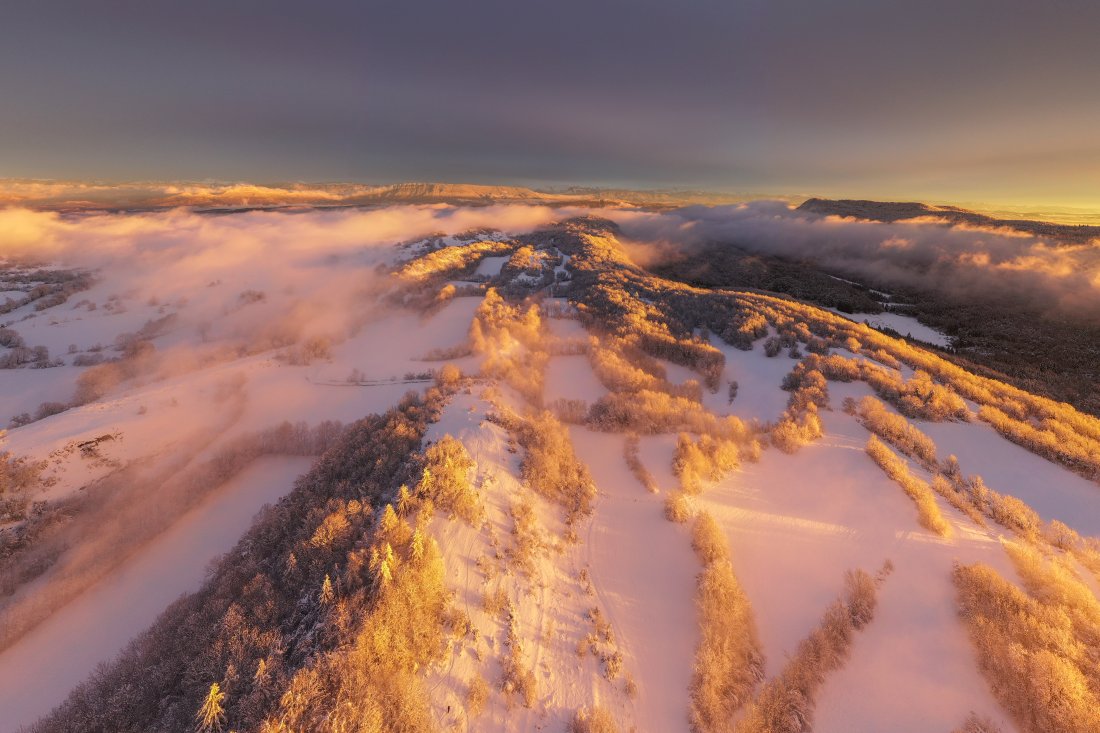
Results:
785 704
705 459
729 663
1038 655
593 720
211 715
634 463
446 479
898 431
551 467
928 511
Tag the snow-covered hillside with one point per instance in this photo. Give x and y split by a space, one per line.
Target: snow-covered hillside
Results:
582 428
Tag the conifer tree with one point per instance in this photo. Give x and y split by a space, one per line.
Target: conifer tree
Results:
211 716
261 672
404 500
417 546
389 520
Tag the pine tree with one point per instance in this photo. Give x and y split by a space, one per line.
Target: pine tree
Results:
385 573
211 716
417 546
427 483
261 672
404 501
327 595
386 565
389 520
375 559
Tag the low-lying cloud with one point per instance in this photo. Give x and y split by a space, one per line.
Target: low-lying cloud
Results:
925 254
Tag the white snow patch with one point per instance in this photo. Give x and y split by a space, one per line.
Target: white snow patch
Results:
490 266
644 570
571 377
758 378
796 523
905 325
1054 492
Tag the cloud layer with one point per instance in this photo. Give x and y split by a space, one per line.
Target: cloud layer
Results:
923 253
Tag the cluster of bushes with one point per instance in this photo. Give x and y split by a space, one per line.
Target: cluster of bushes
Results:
634 463
527 538
45 409
785 704
517 678
623 368
53 288
510 337
10 338
139 357
530 261
920 397
446 481
800 423
593 720
551 467
1036 649
957 494
19 477
648 412
796 429
311 349
705 459
679 507
1006 510
1059 443
601 644
807 385
928 511
573 412
971 496
695 354
897 431
729 662
37 357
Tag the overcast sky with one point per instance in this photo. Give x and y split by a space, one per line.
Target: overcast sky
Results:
990 100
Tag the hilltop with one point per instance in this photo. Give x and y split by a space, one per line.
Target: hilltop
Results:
888 211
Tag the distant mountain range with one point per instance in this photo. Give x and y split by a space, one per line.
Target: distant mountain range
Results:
93 195
888 211
79 195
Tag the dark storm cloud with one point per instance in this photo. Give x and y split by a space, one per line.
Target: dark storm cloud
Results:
738 94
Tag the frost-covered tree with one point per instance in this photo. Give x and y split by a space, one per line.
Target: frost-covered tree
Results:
211 716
